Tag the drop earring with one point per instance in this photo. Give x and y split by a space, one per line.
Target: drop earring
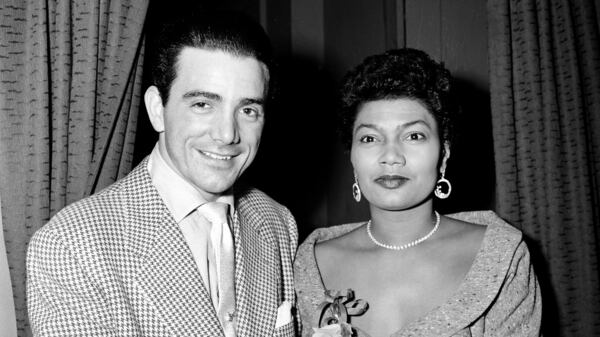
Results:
438 186
356 190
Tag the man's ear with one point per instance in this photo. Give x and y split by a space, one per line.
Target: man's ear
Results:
155 108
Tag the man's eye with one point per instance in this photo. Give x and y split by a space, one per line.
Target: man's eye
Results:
201 105
367 139
252 113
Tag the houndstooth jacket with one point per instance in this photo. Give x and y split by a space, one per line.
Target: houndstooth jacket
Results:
116 264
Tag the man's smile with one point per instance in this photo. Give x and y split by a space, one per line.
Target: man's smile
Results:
216 156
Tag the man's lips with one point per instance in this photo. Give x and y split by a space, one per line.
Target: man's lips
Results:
391 181
217 156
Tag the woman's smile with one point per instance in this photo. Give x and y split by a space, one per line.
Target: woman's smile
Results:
391 181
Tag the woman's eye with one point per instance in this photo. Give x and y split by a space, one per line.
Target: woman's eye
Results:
367 139
415 136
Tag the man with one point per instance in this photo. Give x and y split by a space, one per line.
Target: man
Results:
149 255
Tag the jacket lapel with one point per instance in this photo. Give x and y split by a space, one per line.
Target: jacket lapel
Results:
257 272
166 271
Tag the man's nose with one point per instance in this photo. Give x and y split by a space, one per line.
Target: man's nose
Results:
225 128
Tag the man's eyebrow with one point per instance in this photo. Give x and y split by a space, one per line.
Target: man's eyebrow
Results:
248 101
205 94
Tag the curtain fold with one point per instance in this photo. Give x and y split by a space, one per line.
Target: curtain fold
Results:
7 309
545 93
70 89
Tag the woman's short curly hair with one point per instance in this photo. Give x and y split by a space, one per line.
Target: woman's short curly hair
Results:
398 73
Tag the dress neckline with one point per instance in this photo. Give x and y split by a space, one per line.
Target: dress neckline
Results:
478 278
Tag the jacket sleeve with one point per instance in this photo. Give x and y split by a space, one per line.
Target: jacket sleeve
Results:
517 310
289 270
62 298
293 232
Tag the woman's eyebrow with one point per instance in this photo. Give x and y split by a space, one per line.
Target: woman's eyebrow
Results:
401 126
417 121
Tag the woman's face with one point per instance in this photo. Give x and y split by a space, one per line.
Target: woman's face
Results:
395 151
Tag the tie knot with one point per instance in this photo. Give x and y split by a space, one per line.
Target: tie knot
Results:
215 212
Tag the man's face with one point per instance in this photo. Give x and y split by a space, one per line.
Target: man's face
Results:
211 126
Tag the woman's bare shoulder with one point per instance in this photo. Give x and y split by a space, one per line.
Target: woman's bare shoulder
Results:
340 244
336 250
464 230
460 240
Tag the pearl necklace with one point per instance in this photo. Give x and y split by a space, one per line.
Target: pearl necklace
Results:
408 245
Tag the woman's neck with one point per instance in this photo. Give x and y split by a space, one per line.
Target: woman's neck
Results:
400 227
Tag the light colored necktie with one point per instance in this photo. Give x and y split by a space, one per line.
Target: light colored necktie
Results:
221 238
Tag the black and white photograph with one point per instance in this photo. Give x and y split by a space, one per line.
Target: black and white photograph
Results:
300 168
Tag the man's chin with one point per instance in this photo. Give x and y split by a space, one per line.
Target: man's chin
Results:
216 188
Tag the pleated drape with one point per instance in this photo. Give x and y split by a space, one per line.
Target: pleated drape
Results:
70 88
7 308
545 91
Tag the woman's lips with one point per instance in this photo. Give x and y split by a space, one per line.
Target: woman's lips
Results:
391 181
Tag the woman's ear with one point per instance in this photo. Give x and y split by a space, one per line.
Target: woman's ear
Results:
446 156
155 108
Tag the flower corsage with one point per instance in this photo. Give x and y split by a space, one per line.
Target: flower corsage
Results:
334 314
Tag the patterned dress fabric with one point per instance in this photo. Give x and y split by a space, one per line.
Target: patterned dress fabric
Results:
499 296
116 264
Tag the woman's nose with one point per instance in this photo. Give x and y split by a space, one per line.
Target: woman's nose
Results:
393 155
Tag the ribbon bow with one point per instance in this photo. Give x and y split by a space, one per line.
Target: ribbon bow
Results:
338 306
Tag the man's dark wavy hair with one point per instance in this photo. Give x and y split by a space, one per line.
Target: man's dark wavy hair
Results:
228 31
398 73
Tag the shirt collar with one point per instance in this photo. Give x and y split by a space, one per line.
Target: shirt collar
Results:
180 196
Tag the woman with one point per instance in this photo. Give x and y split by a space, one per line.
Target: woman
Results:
415 272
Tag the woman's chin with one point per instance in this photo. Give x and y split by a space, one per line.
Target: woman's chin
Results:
397 204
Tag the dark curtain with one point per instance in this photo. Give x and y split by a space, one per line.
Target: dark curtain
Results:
545 92
70 88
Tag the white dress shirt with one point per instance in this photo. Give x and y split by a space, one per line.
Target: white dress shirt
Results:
182 200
